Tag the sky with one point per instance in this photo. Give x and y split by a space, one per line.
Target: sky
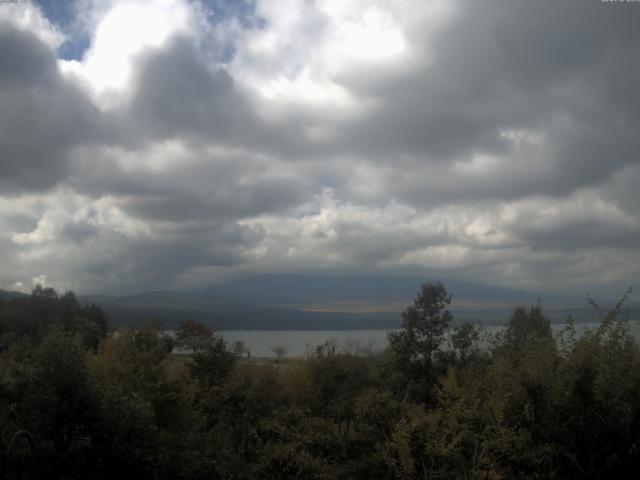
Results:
174 144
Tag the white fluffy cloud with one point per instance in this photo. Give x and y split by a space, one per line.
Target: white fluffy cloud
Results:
308 54
122 32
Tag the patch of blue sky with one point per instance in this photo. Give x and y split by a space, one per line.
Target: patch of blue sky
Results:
62 14
244 11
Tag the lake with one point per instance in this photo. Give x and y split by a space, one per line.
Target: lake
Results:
297 342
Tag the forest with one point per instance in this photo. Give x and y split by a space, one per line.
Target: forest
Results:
81 400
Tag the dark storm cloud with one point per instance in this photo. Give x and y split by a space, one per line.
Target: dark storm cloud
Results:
176 93
166 259
234 201
565 70
41 116
519 101
100 258
20 223
579 234
26 61
197 186
155 261
79 232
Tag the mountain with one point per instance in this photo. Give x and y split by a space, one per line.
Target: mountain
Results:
322 302
6 295
171 308
270 289
308 302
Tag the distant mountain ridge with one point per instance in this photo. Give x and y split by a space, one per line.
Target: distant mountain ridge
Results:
272 289
316 302
9 295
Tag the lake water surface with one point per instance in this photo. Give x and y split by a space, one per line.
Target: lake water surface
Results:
298 342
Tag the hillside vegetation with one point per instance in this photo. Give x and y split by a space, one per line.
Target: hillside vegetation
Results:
79 403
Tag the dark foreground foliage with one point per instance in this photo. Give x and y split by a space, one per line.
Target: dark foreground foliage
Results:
77 403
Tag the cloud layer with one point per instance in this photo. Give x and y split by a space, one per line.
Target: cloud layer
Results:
190 141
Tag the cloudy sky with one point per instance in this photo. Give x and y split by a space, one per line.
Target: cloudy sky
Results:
174 143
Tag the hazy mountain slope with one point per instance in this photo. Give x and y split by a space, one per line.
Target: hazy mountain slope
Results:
7 295
307 302
298 288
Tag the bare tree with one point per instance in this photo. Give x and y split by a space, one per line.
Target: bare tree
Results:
279 351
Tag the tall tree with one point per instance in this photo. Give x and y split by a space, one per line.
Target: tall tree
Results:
417 343
194 336
525 324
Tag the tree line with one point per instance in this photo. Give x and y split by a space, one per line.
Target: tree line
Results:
80 402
